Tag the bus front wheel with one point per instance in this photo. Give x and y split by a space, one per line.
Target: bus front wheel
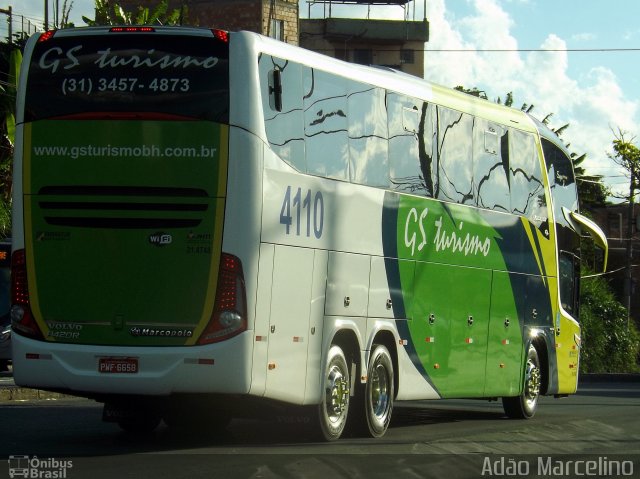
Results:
524 406
334 408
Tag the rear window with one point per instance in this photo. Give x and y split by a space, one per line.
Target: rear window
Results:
185 76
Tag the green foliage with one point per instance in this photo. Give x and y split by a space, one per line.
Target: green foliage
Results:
111 13
12 59
607 344
473 92
591 190
627 155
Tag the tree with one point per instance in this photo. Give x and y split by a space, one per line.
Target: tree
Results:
61 19
627 155
473 92
609 343
109 12
11 61
591 190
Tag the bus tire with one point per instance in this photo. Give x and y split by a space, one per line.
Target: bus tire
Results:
334 406
524 406
379 391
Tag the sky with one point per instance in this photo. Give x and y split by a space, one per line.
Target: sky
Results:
577 59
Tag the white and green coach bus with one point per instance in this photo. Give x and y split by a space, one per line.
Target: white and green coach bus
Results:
203 218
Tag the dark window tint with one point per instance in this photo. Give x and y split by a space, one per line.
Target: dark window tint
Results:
325 124
491 165
561 180
527 186
283 120
455 156
123 73
569 287
412 145
368 144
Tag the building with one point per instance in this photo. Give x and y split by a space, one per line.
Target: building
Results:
274 18
613 219
397 44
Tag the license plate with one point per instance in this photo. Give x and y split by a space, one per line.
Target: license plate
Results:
118 365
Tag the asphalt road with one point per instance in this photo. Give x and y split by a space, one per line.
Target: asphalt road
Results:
444 439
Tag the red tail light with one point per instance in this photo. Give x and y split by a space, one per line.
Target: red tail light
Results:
48 35
229 316
132 29
22 320
221 35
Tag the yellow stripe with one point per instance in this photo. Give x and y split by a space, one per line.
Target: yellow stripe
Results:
28 233
26 160
214 267
223 160
530 233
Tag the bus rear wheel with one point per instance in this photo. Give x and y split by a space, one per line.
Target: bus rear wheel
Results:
524 406
334 408
379 391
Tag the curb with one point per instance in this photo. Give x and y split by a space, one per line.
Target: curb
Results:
589 378
10 392
16 393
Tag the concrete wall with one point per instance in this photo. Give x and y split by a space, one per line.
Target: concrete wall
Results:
347 39
233 15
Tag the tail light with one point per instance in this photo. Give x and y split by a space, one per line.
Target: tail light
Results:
132 29
22 320
229 316
221 35
48 35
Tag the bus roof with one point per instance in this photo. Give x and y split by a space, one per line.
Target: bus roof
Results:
396 81
388 78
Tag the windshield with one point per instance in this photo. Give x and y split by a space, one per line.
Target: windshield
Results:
169 76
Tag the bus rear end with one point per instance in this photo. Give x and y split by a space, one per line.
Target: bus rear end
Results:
120 285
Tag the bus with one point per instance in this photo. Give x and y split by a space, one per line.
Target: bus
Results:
206 220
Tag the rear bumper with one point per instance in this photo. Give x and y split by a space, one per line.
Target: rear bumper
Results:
223 368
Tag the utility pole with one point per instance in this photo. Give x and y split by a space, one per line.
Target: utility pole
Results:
46 15
628 280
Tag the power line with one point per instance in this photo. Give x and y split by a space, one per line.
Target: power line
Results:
529 50
499 50
28 17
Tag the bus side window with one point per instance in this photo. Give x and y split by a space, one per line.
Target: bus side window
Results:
455 156
412 146
281 87
368 143
528 197
569 287
490 166
325 124
561 180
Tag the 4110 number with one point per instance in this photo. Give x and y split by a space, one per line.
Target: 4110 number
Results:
302 207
